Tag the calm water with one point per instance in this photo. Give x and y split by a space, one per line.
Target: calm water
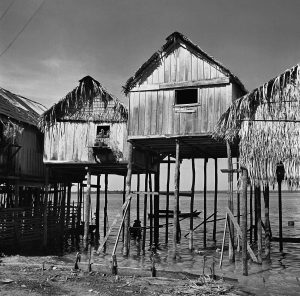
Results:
281 276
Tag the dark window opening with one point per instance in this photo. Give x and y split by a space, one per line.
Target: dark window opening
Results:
103 131
186 96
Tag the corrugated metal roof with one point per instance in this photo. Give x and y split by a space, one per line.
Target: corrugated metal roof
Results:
18 108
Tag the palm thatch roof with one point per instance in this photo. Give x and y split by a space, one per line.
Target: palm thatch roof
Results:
267 123
155 61
89 101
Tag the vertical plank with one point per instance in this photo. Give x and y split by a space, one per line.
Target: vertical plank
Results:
167 68
213 72
171 101
211 104
188 65
181 64
142 102
148 112
173 65
155 76
153 112
161 71
200 67
206 70
166 111
194 62
160 112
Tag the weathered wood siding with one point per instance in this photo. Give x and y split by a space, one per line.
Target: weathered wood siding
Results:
152 109
72 142
29 159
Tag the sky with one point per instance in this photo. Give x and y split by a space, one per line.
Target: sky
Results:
109 40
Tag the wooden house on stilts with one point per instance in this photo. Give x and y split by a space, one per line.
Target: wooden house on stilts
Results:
175 100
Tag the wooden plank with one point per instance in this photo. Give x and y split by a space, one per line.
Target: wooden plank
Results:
181 84
239 232
213 72
206 70
153 113
160 112
155 76
173 65
167 69
194 71
148 112
161 71
181 64
200 67
171 102
166 110
188 66
211 106
142 103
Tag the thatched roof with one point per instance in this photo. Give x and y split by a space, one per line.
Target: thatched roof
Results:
267 123
19 109
89 101
156 58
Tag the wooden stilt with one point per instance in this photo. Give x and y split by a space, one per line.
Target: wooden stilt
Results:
138 197
167 202
97 234
45 218
128 192
191 237
68 205
105 209
238 211
204 202
55 199
244 221
87 210
251 213
156 207
255 212
215 201
176 198
259 227
231 254
151 210
280 216
123 199
62 214
145 213
267 223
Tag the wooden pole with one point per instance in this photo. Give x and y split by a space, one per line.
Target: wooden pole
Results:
191 237
238 211
167 202
55 199
259 227
151 210
62 214
176 198
105 209
123 199
255 212
244 221
215 201
251 213
156 207
138 197
267 223
231 254
145 213
97 234
45 217
128 192
204 202
87 209
68 205
280 216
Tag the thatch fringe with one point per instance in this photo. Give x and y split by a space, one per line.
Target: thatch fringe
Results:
267 123
89 101
156 58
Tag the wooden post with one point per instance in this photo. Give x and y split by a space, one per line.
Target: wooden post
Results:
68 205
55 199
176 198
280 216
267 223
156 207
62 214
215 201
128 192
231 254
204 202
251 213
244 221
255 213
123 199
238 211
45 217
105 209
259 226
145 212
97 234
191 237
138 197
167 202
87 209
151 210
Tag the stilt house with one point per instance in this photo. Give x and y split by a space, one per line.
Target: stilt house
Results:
180 92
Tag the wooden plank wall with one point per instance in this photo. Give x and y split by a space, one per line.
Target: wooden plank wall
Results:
153 112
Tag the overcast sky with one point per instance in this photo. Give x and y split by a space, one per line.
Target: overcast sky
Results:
109 40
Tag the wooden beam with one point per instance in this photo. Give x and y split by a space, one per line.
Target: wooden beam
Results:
244 221
167 202
215 201
175 85
191 237
267 223
87 210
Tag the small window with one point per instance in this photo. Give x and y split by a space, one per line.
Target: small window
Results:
103 131
186 96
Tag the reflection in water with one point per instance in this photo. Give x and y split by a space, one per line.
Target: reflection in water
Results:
279 276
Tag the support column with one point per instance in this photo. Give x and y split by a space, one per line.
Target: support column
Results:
123 200
215 201
45 217
267 223
145 213
238 211
204 203
176 198
258 223
87 209
191 237
128 192
167 202
244 221
105 209
68 204
156 207
97 234
151 210
231 254
138 197
251 213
